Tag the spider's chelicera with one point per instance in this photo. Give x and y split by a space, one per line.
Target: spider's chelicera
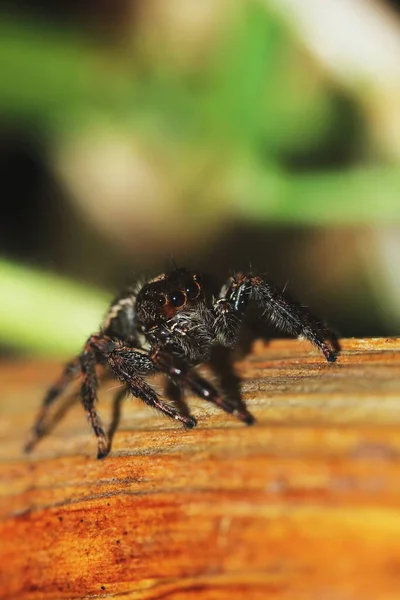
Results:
169 325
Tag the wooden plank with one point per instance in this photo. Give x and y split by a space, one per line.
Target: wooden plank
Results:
304 504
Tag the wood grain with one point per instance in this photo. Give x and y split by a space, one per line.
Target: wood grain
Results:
305 504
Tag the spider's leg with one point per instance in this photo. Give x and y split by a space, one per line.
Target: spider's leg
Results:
93 353
116 414
228 320
174 390
179 372
222 364
205 390
285 312
129 365
39 428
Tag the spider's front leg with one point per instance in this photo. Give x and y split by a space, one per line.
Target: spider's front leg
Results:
285 312
129 365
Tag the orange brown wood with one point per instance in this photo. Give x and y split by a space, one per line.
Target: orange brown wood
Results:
305 504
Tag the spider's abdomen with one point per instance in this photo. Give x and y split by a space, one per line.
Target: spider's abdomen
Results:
120 321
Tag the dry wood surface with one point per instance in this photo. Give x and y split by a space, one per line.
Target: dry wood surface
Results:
304 504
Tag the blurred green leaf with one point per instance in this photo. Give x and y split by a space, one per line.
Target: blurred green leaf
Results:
242 67
353 196
55 76
240 98
44 314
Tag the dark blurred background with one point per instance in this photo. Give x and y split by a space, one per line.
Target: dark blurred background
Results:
223 134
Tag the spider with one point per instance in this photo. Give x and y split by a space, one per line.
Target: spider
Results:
171 324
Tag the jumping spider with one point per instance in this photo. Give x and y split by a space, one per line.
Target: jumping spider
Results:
169 325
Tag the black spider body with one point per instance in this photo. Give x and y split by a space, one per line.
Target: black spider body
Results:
171 324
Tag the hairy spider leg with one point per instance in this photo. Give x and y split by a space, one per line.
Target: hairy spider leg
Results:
39 428
174 390
88 360
222 365
116 414
285 312
205 390
139 388
128 365
178 371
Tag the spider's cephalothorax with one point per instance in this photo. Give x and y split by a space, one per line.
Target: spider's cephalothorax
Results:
169 325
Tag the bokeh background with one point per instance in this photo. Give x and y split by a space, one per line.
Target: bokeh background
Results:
220 133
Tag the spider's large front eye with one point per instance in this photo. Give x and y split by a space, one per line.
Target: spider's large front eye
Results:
177 299
192 290
161 300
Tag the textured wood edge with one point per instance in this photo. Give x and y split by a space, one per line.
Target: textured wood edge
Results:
305 504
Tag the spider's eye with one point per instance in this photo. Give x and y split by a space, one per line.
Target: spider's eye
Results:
192 291
161 300
177 299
